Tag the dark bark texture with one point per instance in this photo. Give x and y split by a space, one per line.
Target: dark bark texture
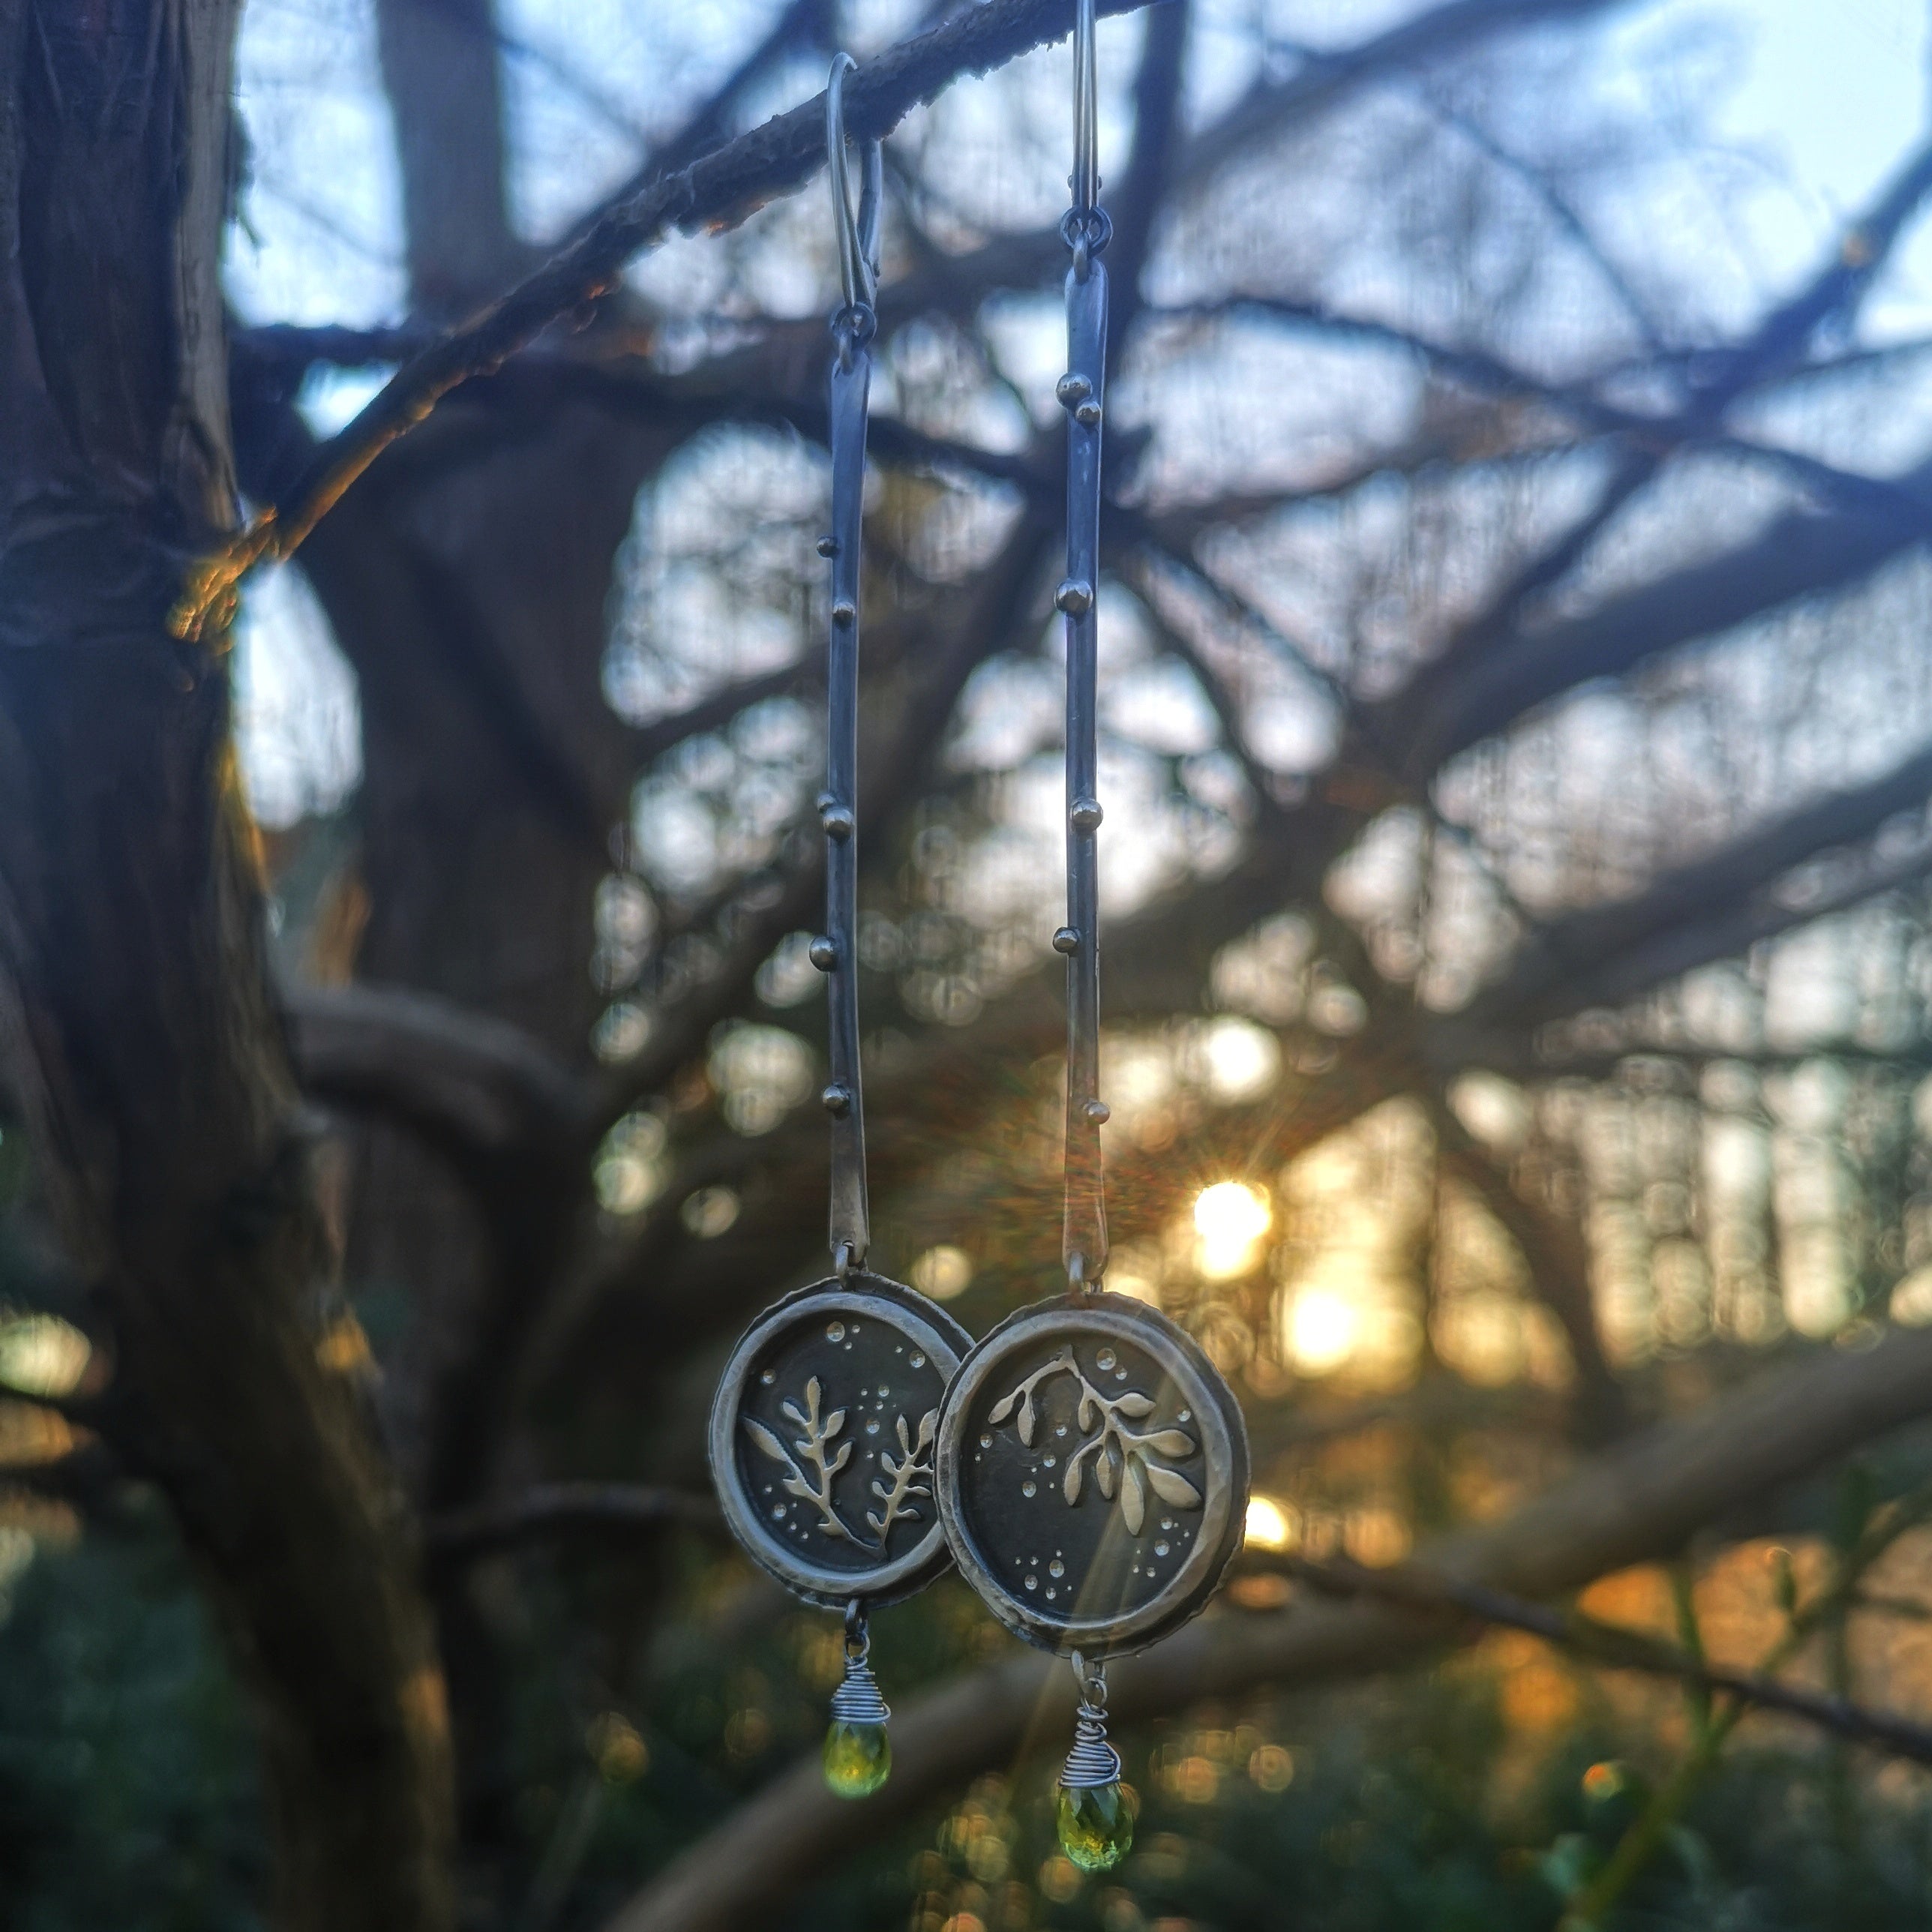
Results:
139 1035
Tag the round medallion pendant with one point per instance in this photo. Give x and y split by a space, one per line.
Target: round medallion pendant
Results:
822 1435
1093 1474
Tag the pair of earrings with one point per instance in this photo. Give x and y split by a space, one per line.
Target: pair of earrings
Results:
1084 1465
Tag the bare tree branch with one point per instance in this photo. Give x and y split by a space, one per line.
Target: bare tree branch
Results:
622 1512
1610 1644
1559 1269
475 1088
1708 909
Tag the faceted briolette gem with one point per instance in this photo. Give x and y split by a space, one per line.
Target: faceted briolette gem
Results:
1097 1825
858 1758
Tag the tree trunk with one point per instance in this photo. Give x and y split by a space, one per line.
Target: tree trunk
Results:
137 1023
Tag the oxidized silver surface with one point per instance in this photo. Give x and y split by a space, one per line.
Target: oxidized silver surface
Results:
822 1439
1092 1474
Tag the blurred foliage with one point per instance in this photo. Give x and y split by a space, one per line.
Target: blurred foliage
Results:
128 1788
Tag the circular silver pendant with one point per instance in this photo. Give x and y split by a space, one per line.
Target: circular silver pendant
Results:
1093 1474
822 1435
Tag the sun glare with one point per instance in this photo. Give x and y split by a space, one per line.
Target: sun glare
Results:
1268 1525
1322 1331
1230 1220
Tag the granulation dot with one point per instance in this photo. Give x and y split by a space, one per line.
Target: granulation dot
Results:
883 1391
1050 1594
1032 1582
1160 1550
1120 1375
1106 1358
918 1361
1029 1488
1061 1430
1056 1568
835 1331
770 1376
872 1427
1167 1522
986 1442
1187 1415
1049 1460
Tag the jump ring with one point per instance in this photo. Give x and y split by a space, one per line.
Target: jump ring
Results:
1094 225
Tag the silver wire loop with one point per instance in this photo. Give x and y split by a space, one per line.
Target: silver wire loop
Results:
1085 179
858 235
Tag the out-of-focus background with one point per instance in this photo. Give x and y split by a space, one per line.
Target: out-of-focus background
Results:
1517 740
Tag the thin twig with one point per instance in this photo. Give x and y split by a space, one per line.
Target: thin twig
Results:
716 190
622 1512
1609 1644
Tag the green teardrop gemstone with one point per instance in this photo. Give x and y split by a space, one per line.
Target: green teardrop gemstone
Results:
858 1758
1096 1826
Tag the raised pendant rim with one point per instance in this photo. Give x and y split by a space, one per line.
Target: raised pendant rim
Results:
1225 1508
862 1293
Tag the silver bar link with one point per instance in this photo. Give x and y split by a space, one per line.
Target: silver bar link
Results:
1082 395
835 952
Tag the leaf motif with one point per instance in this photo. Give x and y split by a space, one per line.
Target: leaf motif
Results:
929 1427
1166 1442
839 1461
1103 1474
1133 1498
1026 1420
1172 1486
905 1438
795 1485
767 1441
1134 1404
836 1421
812 1393
1072 1484
1003 1407
793 1414
1083 1415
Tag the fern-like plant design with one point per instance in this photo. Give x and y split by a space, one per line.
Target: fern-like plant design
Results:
1122 1459
902 1484
812 1446
903 1473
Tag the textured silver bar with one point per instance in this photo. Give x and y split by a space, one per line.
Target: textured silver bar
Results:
851 1233
1081 391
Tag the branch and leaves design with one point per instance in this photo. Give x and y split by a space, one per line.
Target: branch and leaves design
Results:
914 1460
813 1482
1122 1460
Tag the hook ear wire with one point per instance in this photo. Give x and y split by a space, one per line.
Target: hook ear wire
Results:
1086 179
858 238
